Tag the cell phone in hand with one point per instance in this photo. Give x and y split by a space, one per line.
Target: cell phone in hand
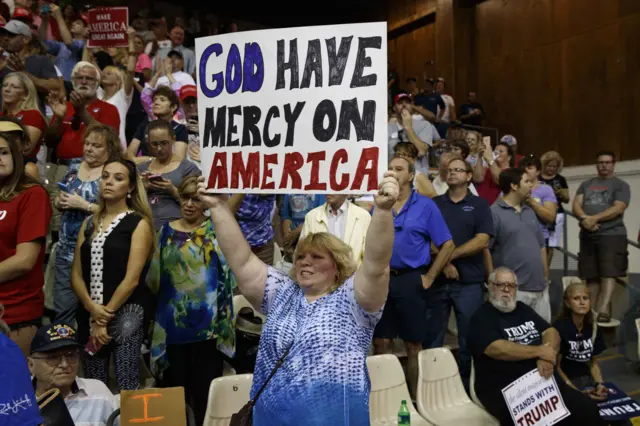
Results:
93 346
63 187
486 140
156 178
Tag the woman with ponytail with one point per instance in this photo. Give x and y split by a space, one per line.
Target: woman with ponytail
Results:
111 256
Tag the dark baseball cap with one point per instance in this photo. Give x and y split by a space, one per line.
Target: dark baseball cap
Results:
54 336
175 53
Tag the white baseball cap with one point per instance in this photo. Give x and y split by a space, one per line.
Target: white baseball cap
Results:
18 28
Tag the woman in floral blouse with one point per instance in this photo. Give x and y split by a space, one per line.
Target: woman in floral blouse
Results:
195 323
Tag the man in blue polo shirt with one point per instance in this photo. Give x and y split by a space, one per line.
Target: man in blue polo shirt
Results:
418 223
460 284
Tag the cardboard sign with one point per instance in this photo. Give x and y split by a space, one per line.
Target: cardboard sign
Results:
295 110
618 406
156 407
534 400
108 27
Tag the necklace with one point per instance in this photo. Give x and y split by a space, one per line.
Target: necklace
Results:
190 234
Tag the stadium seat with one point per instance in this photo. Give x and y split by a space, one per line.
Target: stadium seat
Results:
240 302
227 395
388 389
441 397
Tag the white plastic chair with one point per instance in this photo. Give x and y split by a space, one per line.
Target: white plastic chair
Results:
472 386
567 281
441 397
388 389
227 395
277 253
240 302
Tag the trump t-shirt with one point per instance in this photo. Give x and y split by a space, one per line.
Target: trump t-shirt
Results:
577 348
522 326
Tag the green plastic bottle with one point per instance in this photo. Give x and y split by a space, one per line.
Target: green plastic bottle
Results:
404 415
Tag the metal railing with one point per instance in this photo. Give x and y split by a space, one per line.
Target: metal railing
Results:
565 245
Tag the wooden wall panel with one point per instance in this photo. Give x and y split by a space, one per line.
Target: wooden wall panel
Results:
561 74
629 84
402 12
409 51
510 26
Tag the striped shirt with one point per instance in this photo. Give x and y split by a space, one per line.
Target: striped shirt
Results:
91 403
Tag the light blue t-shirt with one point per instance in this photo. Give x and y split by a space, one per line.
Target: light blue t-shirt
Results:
295 207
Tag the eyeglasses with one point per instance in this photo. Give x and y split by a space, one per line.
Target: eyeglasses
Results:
54 360
158 144
456 170
193 198
508 285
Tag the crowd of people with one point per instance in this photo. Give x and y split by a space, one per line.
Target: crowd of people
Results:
100 158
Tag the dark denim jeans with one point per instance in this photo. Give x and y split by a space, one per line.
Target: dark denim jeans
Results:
65 301
465 299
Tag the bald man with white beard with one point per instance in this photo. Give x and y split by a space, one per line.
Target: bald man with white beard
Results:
507 340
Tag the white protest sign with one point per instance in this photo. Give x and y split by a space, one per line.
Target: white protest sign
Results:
294 110
534 400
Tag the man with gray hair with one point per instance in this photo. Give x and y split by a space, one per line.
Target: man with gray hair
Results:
507 340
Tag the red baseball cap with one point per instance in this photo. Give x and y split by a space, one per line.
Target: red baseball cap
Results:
22 14
401 97
189 91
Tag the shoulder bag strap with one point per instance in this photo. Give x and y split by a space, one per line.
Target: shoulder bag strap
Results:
273 372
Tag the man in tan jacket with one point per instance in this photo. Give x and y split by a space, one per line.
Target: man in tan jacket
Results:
341 218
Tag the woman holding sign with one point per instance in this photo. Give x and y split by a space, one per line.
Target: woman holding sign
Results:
320 321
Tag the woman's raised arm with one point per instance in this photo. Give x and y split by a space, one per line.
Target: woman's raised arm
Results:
371 284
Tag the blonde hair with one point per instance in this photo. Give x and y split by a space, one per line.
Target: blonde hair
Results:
338 250
31 95
138 202
550 156
120 55
116 71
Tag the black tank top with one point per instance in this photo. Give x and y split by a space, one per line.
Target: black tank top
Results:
104 265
